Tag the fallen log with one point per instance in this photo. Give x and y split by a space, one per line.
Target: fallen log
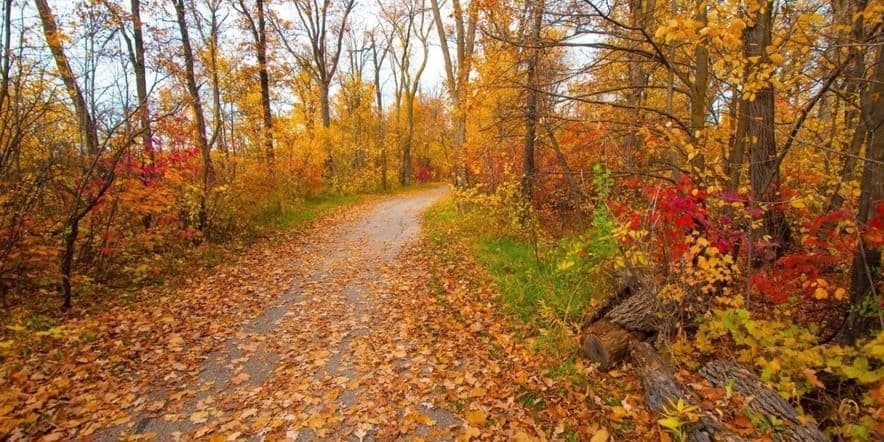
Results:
633 313
761 400
627 285
662 391
658 379
641 312
606 343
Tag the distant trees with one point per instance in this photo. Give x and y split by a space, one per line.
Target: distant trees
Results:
134 129
457 70
323 25
410 32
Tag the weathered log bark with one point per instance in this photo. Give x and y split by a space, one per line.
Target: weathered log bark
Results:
662 390
640 312
627 286
658 378
763 400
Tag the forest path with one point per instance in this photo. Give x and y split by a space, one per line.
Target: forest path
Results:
358 328
310 359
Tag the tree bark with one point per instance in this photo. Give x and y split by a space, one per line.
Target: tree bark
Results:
325 114
141 81
218 135
405 168
196 108
531 114
641 13
760 399
864 304
844 11
699 88
458 76
267 116
606 343
764 171
88 130
377 56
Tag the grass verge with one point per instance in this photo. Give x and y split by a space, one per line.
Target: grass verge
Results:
542 302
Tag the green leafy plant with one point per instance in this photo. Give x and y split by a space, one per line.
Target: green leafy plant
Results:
677 416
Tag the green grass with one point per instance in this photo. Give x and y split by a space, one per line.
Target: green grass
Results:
309 209
532 291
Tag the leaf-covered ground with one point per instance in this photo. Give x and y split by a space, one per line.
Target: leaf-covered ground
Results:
348 331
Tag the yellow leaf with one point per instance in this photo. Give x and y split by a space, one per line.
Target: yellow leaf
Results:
600 436
423 419
811 378
316 422
618 413
522 437
476 417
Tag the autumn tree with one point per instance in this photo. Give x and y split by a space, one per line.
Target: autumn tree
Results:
410 27
458 68
324 25
97 158
379 51
861 312
196 108
257 24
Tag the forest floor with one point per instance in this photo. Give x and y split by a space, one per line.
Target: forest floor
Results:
347 331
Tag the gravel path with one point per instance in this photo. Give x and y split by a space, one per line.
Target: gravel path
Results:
308 345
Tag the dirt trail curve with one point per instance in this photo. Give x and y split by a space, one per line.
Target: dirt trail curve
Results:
303 360
348 331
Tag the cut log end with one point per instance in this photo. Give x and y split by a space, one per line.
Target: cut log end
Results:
606 343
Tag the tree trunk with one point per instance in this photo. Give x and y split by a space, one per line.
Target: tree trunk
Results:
856 87
141 81
88 130
640 15
325 114
663 390
658 379
217 111
764 171
631 313
458 76
67 261
405 168
699 88
460 136
606 343
267 116
531 114
576 192
738 146
867 258
196 108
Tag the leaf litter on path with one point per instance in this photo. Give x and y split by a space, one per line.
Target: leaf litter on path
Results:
335 334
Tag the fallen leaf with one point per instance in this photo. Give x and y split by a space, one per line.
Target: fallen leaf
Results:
600 436
476 417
